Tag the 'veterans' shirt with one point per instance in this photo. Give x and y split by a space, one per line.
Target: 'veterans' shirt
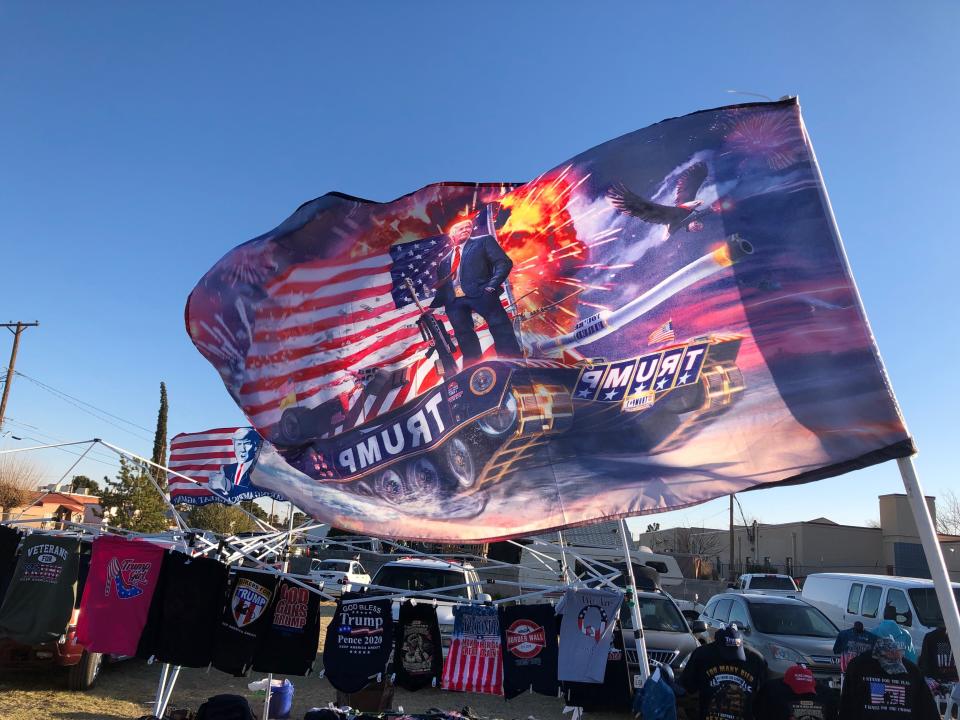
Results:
473 663
120 584
418 654
777 701
289 644
726 685
851 643
244 619
589 617
614 693
869 693
936 657
529 636
42 592
358 642
186 611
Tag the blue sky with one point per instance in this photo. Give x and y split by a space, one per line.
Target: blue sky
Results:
141 142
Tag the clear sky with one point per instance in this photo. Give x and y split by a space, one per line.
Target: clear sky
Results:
139 142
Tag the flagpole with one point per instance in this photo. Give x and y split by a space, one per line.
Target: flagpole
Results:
932 549
286 566
639 642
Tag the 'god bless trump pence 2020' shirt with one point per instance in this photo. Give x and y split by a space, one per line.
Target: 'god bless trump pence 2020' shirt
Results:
358 642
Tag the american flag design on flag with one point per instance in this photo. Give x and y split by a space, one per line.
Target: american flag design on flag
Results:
663 334
474 662
887 693
200 456
326 324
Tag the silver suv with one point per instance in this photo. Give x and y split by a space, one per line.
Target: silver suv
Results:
669 637
784 630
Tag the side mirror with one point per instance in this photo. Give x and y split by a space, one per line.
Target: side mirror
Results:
698 626
904 619
485 597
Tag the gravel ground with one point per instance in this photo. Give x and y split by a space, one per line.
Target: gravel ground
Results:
127 689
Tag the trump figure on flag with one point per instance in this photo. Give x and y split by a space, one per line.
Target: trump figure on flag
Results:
471 278
234 478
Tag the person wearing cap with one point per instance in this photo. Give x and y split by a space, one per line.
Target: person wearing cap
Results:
725 677
885 685
471 278
891 628
794 697
234 478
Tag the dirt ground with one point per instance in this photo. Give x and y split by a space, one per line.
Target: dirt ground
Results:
127 689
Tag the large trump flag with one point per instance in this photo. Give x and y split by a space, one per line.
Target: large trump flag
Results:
664 319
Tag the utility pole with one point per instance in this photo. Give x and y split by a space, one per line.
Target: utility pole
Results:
17 329
730 571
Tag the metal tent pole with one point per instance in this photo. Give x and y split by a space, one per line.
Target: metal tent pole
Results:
286 566
640 643
931 548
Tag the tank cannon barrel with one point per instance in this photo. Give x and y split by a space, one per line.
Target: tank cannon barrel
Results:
605 322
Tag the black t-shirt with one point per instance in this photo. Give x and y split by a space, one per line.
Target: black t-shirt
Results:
9 540
529 638
289 644
869 692
614 693
777 701
936 657
245 618
726 685
418 655
358 643
186 611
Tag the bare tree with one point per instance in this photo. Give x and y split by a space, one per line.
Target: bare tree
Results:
873 523
948 513
18 479
701 545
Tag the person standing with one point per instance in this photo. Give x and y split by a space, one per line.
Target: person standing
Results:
470 281
884 685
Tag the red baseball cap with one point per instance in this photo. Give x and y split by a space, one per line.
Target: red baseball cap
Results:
800 680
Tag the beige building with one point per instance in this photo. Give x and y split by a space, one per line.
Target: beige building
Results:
819 545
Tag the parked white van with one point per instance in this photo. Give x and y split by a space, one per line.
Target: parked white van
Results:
846 598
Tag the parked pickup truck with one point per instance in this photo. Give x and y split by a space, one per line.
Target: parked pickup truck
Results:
767 584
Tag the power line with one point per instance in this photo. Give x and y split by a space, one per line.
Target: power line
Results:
113 464
78 403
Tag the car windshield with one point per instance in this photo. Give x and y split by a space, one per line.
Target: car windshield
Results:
338 565
420 578
927 606
789 619
771 582
659 614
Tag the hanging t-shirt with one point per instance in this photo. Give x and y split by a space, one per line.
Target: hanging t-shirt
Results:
726 685
244 619
418 655
777 701
358 642
589 617
870 692
186 611
116 598
614 693
474 661
850 643
529 636
289 645
42 591
9 541
936 657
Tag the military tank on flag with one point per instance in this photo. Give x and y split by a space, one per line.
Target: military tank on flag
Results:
492 419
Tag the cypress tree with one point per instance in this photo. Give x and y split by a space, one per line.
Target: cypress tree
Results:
160 440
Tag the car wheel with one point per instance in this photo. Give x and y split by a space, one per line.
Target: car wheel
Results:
459 462
85 673
293 425
423 479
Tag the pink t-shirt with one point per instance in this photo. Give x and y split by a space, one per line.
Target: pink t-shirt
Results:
116 598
